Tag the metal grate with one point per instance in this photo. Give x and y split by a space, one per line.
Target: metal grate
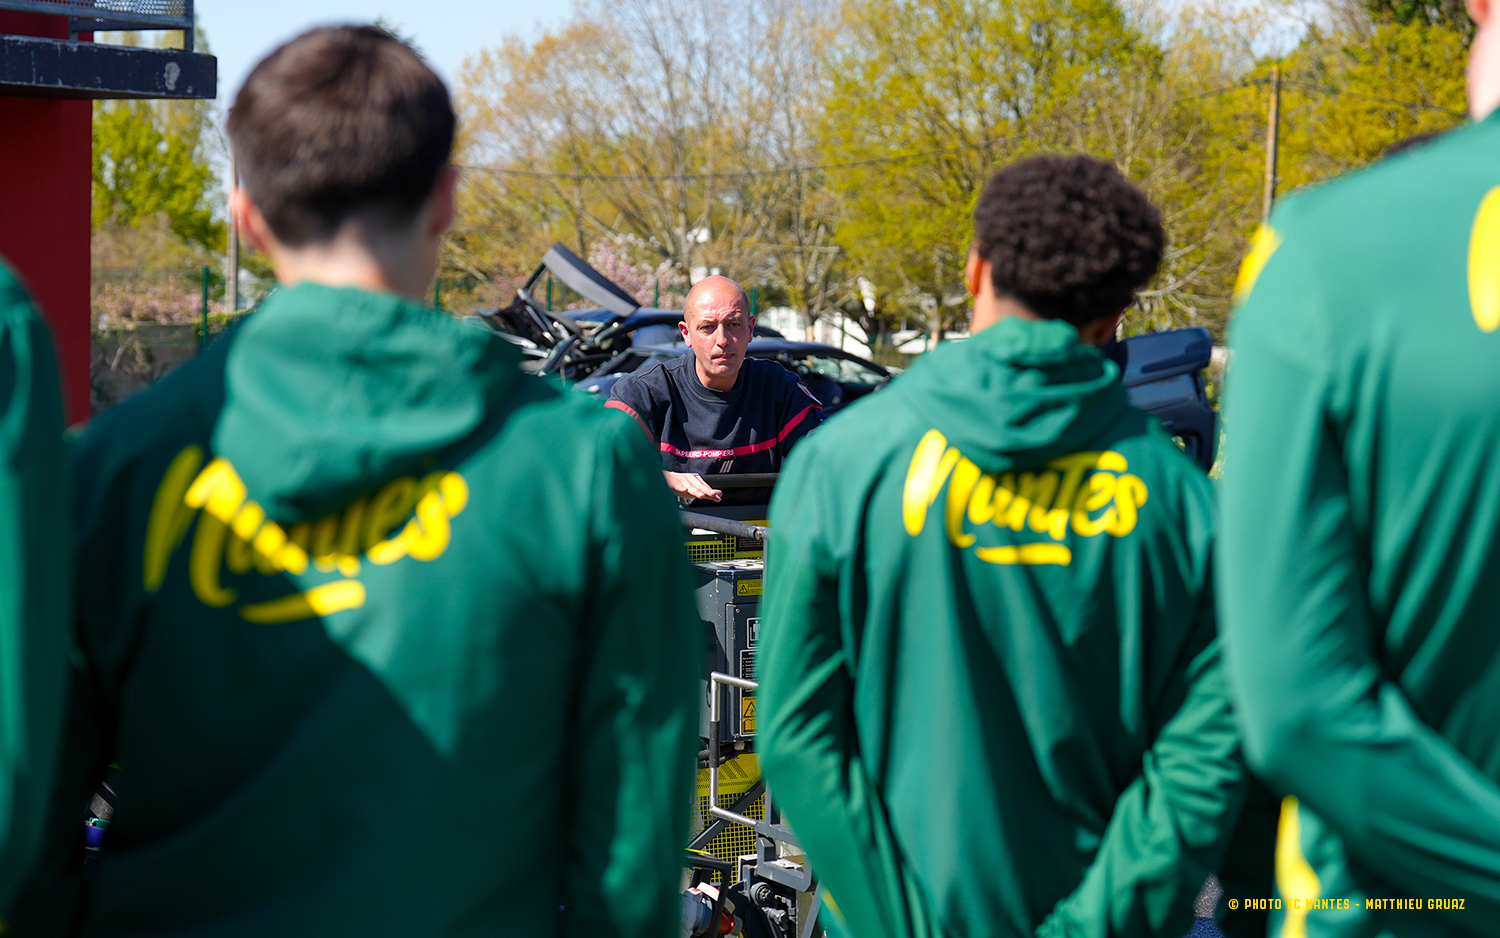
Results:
727 547
114 14
710 551
733 841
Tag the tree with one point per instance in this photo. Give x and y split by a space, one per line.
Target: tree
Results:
1348 98
148 160
1451 14
927 98
152 159
631 119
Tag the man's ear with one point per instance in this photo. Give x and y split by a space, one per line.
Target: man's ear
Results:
444 201
1480 11
252 224
682 327
1098 331
975 270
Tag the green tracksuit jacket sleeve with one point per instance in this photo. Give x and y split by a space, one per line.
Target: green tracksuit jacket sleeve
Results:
1321 715
809 734
1167 828
34 599
495 736
635 733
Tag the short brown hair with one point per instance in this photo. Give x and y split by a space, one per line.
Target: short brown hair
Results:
1067 236
338 121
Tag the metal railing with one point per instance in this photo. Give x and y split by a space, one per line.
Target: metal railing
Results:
90 15
765 828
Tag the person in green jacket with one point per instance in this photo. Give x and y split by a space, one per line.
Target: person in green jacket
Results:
992 698
35 578
1361 550
385 637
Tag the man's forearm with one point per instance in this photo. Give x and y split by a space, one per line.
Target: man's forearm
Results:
690 485
1168 830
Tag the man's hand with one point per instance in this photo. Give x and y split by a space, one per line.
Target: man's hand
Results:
690 485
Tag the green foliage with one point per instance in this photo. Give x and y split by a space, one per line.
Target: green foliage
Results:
149 160
1451 14
1346 101
959 87
835 160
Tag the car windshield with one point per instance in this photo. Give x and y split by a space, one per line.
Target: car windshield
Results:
842 370
632 359
662 334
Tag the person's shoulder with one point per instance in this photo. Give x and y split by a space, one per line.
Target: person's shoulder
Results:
1380 203
651 380
1355 256
766 370
563 421
1183 492
180 407
863 434
14 300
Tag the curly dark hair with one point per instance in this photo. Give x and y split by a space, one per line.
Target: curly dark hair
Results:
1067 236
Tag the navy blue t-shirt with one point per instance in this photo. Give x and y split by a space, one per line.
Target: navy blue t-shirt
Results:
749 428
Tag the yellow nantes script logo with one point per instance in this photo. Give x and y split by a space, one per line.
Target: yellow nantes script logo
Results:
234 534
1091 493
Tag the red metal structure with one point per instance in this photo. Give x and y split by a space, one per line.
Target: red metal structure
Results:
50 71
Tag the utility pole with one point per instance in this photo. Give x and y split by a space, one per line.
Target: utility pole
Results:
232 288
1273 126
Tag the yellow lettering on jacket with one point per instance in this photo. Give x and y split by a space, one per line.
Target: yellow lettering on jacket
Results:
960 486
1088 493
169 518
929 469
405 517
318 601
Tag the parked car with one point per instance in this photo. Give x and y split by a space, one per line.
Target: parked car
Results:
834 376
1162 372
575 343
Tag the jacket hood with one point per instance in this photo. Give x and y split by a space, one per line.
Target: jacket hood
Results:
1018 394
329 391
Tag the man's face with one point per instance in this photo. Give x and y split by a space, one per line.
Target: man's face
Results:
718 330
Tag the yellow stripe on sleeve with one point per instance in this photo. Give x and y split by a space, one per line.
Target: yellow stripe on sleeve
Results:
1262 245
1295 878
1484 263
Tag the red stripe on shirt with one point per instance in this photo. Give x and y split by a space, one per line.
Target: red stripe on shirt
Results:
621 405
738 450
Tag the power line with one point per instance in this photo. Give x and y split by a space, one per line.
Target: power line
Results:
1370 97
1329 89
908 157
746 174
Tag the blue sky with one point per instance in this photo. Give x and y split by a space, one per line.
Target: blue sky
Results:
240 32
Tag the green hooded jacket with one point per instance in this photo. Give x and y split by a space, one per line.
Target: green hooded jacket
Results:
35 577
1361 571
992 699
385 637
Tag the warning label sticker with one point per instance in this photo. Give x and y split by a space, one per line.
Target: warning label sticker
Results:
747 715
747 588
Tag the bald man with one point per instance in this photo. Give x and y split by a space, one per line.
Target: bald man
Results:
715 411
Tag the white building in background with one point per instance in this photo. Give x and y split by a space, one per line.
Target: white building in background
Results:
914 342
834 329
